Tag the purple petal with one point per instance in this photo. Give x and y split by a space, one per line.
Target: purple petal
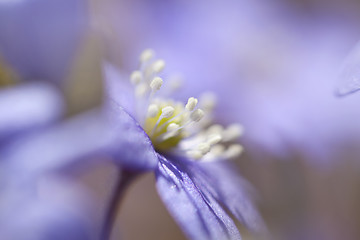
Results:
118 88
54 211
39 38
27 106
132 145
225 184
91 135
196 211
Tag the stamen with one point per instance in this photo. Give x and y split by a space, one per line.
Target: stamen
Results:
172 127
168 122
208 101
194 154
216 128
232 132
214 139
175 83
141 90
193 101
197 115
204 148
146 55
158 66
217 150
136 77
153 111
167 112
233 151
172 131
156 84
191 104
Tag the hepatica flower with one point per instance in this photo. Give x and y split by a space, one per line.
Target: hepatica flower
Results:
193 178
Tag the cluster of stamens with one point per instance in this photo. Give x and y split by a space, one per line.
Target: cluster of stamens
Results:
171 125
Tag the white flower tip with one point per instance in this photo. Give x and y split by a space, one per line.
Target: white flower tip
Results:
214 139
153 110
197 115
172 127
158 65
204 148
217 150
191 104
156 83
233 132
141 90
194 154
215 128
135 77
234 151
167 112
146 55
175 83
208 101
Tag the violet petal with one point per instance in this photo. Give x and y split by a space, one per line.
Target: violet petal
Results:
88 136
196 211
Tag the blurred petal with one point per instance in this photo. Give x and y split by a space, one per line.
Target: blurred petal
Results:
53 212
39 38
132 146
27 106
195 210
88 135
118 88
349 78
228 188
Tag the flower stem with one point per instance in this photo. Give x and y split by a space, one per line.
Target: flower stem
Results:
123 181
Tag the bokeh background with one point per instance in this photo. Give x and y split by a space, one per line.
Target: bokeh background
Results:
274 65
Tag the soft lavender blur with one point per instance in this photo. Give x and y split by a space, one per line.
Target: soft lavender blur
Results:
274 66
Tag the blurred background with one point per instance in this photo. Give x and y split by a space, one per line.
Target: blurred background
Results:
274 66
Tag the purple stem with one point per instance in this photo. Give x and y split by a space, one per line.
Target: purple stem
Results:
123 181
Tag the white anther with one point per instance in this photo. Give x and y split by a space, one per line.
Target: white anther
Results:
135 77
146 55
172 127
158 65
167 112
175 83
216 128
195 154
233 151
233 132
191 104
197 115
141 90
208 101
204 148
213 139
217 150
156 83
153 110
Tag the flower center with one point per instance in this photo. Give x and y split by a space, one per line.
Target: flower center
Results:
173 126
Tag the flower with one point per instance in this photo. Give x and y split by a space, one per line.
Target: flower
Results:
37 40
43 209
33 105
193 177
197 192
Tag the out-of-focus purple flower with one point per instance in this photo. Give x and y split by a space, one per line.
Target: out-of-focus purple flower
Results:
27 107
40 38
42 208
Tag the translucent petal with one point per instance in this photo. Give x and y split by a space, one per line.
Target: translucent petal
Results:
195 210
